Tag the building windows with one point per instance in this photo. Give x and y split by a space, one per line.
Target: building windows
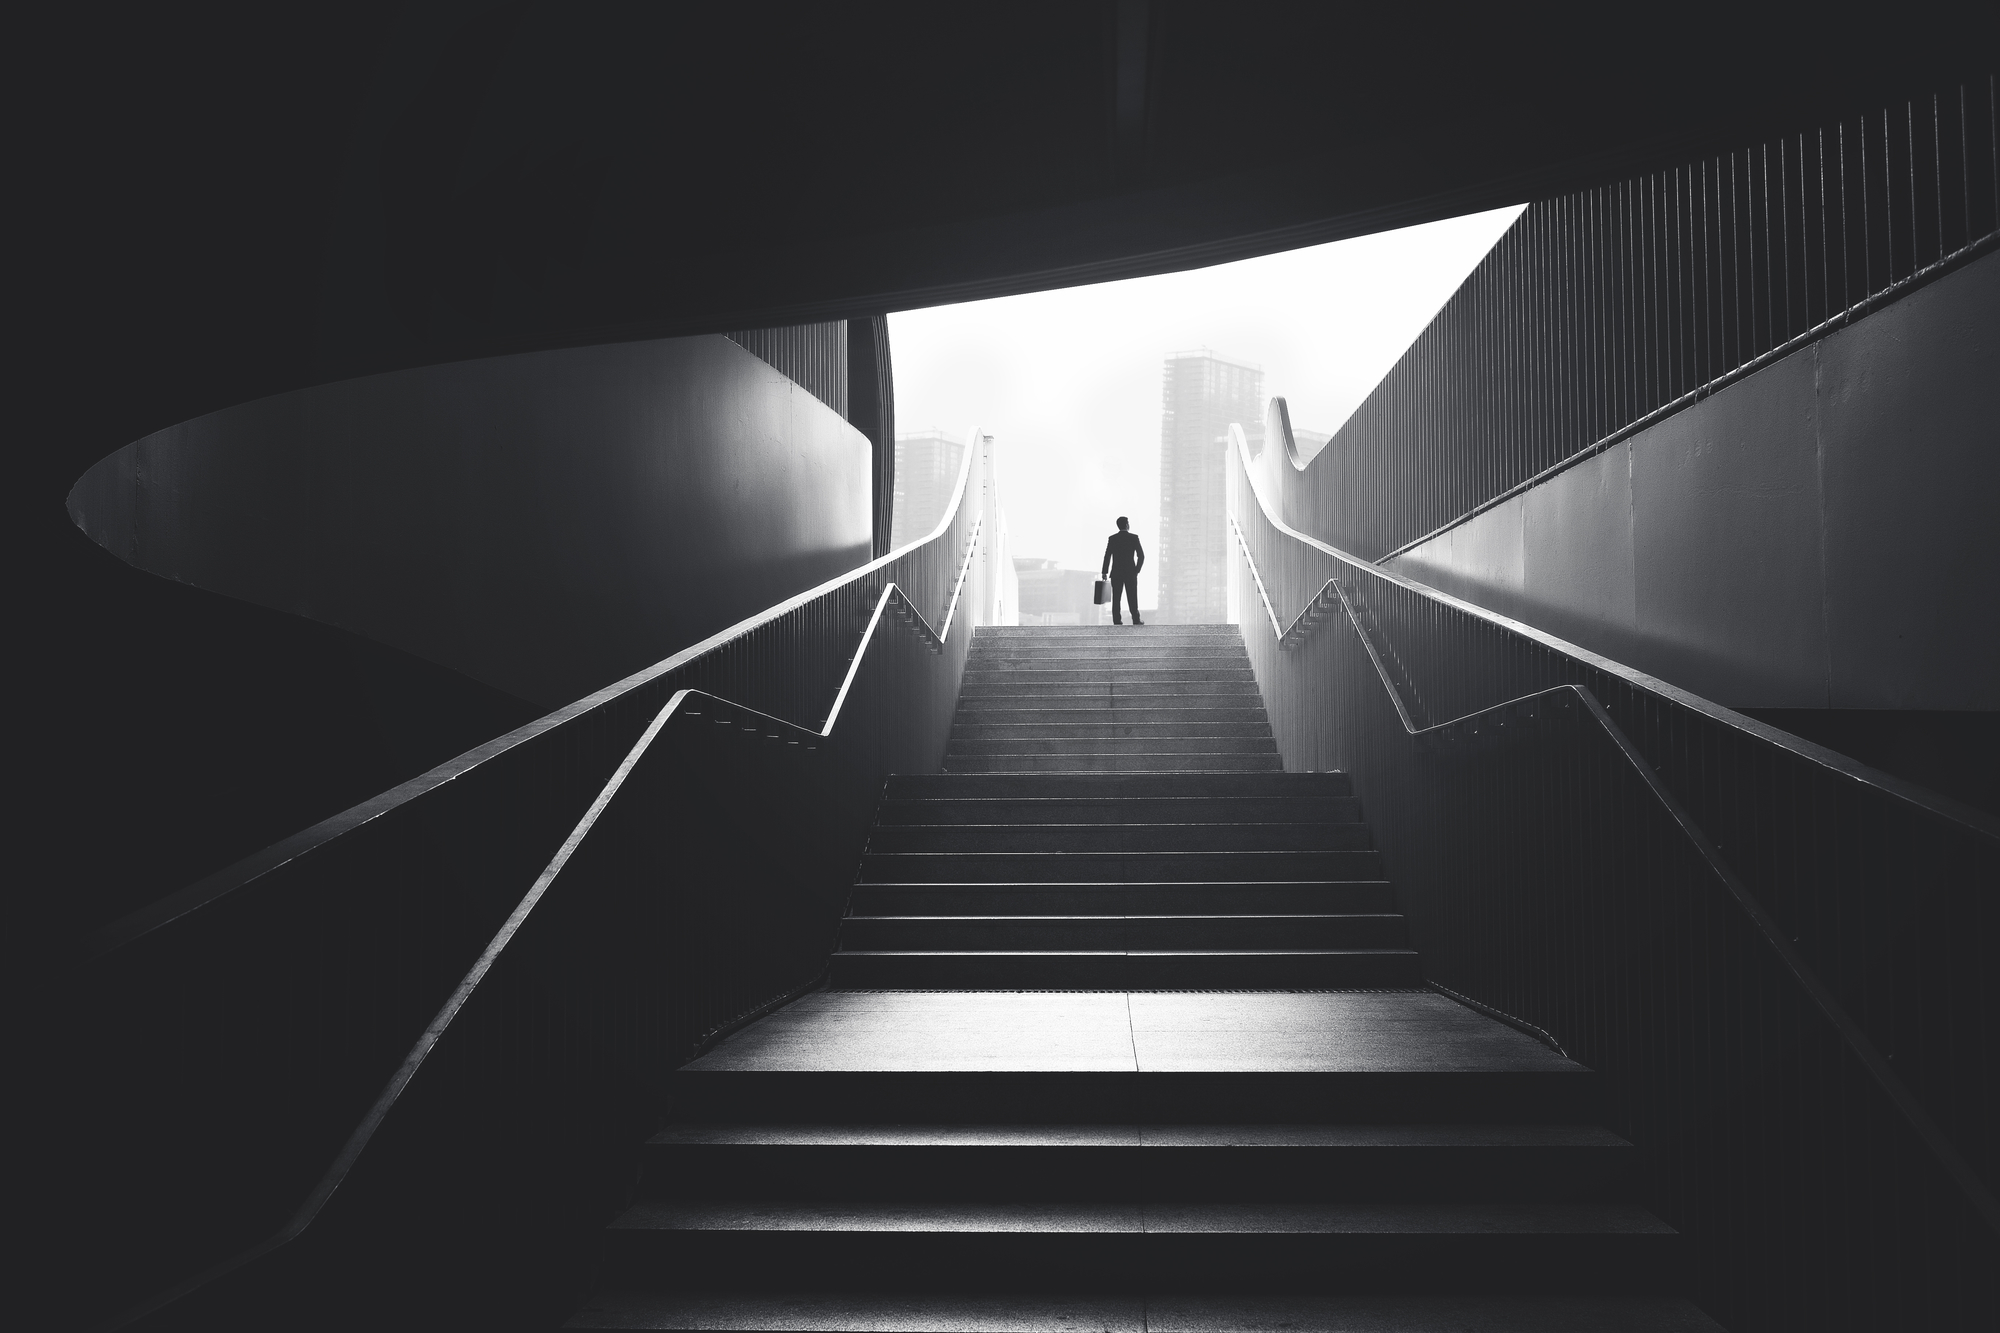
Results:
1202 395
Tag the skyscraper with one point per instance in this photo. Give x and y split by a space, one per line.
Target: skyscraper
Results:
1201 395
926 470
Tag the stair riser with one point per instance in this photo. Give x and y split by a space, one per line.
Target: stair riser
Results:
1154 707
1058 1261
1159 711
1123 838
1113 867
1119 900
1044 1098
1032 1312
1113 811
1290 786
1165 666
1194 702
1100 971
1131 675
1098 745
963 731
1019 693
1110 655
1127 634
1110 642
1114 763
1209 933
1093 1174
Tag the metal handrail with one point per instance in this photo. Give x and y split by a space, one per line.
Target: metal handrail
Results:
211 888
364 1132
936 639
1857 1041
216 887
1942 807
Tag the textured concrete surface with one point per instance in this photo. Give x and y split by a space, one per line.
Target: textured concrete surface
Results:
1146 1031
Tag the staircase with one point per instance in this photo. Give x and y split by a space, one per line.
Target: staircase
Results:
1113 815
1124 1032
1153 699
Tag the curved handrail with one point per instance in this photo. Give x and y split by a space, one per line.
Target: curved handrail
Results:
364 1132
1279 415
934 639
214 887
1857 1041
1940 807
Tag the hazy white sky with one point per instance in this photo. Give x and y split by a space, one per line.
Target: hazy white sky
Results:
1068 382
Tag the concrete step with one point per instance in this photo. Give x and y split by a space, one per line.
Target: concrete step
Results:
1092 659
1114 715
1123 674
1115 867
1004 685
1114 763
1136 1162
951 1312
1092 668
1176 837
1192 707
1251 744
1121 934
1110 726
1130 899
1107 645
1044 1246
1134 970
1260 1055
1043 1097
1120 810
1126 633
963 786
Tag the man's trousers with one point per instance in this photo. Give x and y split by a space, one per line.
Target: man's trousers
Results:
1126 582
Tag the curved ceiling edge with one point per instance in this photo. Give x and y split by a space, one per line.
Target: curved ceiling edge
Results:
544 522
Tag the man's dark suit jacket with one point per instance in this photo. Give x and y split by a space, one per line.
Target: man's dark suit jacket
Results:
1123 554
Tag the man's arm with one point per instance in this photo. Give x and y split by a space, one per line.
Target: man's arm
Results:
1139 550
1105 572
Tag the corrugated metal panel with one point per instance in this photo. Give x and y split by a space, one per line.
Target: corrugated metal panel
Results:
871 403
1600 311
845 364
814 355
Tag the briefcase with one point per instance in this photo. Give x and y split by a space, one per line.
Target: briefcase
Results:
1100 592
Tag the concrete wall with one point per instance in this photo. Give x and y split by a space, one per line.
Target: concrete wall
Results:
1823 534
544 523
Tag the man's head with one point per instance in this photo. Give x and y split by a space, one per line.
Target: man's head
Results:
1123 523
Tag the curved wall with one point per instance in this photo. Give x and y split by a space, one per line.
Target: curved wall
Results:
1815 536
1620 304
544 523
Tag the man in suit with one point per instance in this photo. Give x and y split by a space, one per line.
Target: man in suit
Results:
1124 557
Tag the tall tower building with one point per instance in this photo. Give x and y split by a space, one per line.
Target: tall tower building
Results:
1201 395
926 470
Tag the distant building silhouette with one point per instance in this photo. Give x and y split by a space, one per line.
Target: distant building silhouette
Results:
926 467
1051 595
1309 442
1201 395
